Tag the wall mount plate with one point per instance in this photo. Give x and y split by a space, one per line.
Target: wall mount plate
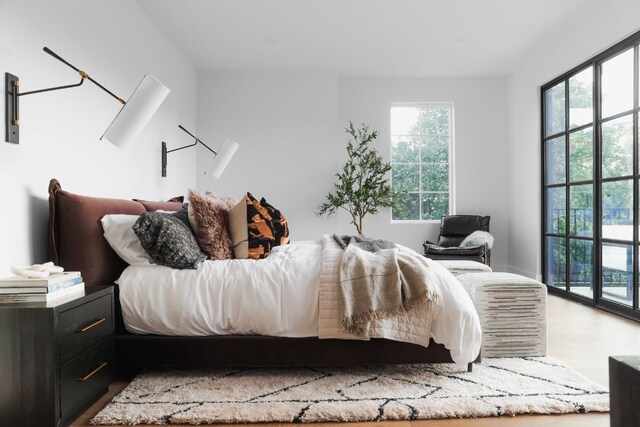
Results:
164 159
11 109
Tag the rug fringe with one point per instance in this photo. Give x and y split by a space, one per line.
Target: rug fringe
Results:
356 323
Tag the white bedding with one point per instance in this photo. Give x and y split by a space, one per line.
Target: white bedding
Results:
277 296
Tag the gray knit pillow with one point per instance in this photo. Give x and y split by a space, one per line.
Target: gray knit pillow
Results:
168 239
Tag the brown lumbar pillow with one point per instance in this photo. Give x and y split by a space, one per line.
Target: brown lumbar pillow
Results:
238 229
209 218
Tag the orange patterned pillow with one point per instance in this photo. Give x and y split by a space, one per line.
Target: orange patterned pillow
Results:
279 224
260 229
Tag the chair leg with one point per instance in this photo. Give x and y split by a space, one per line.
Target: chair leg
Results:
487 255
470 367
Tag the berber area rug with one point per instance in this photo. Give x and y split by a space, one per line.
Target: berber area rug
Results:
496 387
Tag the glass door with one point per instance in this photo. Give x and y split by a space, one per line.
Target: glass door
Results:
591 181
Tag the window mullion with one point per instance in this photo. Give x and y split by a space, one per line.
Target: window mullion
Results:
634 293
567 179
420 192
597 162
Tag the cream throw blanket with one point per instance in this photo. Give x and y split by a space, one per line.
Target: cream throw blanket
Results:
381 285
411 327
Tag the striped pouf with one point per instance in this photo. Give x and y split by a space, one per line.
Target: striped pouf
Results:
512 311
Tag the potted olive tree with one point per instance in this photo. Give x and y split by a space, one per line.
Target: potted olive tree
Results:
363 187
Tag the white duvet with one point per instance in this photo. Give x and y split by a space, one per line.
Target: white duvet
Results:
277 296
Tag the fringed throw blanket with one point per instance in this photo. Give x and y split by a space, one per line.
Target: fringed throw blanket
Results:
380 282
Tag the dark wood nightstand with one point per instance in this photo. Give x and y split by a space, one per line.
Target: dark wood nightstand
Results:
624 386
56 359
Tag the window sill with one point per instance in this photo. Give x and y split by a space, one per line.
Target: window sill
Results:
415 221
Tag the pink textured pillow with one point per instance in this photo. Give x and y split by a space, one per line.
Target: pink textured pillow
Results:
209 218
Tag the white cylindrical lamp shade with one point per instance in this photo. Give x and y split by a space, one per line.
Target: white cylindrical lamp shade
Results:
221 160
137 112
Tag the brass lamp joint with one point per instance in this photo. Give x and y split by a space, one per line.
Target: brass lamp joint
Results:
15 122
83 74
121 101
15 82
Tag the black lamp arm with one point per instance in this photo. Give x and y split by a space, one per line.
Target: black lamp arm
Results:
191 145
165 151
182 148
52 88
82 74
12 94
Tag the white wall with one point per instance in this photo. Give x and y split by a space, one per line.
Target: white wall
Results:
290 129
593 29
285 125
480 158
116 43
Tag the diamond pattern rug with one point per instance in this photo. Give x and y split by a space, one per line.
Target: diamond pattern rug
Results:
501 386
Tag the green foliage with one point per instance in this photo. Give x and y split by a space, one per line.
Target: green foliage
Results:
363 187
423 152
617 161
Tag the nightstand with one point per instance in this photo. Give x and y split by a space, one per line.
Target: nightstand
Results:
56 359
624 383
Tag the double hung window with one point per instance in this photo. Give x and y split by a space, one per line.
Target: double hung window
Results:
421 158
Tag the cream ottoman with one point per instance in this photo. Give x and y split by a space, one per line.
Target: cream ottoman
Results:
457 267
512 311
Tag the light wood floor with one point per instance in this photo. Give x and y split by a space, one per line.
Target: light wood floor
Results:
579 335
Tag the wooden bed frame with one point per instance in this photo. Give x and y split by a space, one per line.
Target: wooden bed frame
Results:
76 242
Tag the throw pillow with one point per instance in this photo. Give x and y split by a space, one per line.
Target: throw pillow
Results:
279 224
168 239
119 233
478 238
259 229
209 219
173 204
238 230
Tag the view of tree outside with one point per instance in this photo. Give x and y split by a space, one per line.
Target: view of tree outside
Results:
577 180
569 175
420 141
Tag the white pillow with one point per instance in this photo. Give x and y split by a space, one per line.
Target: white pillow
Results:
478 238
123 240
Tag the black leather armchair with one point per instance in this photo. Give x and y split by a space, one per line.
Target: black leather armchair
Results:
453 230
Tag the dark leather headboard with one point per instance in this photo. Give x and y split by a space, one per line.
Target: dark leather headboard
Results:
76 240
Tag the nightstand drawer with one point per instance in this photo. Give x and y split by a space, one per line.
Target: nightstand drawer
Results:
83 326
85 377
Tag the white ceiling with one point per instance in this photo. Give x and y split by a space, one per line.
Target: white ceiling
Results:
396 38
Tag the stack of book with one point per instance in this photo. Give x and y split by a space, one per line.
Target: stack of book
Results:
68 285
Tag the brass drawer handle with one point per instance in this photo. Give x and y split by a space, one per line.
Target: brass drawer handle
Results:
92 373
91 325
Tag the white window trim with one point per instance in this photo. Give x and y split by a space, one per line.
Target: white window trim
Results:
452 174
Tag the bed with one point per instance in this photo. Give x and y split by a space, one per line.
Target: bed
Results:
178 334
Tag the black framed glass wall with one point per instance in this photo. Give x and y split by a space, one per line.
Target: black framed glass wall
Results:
590 175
